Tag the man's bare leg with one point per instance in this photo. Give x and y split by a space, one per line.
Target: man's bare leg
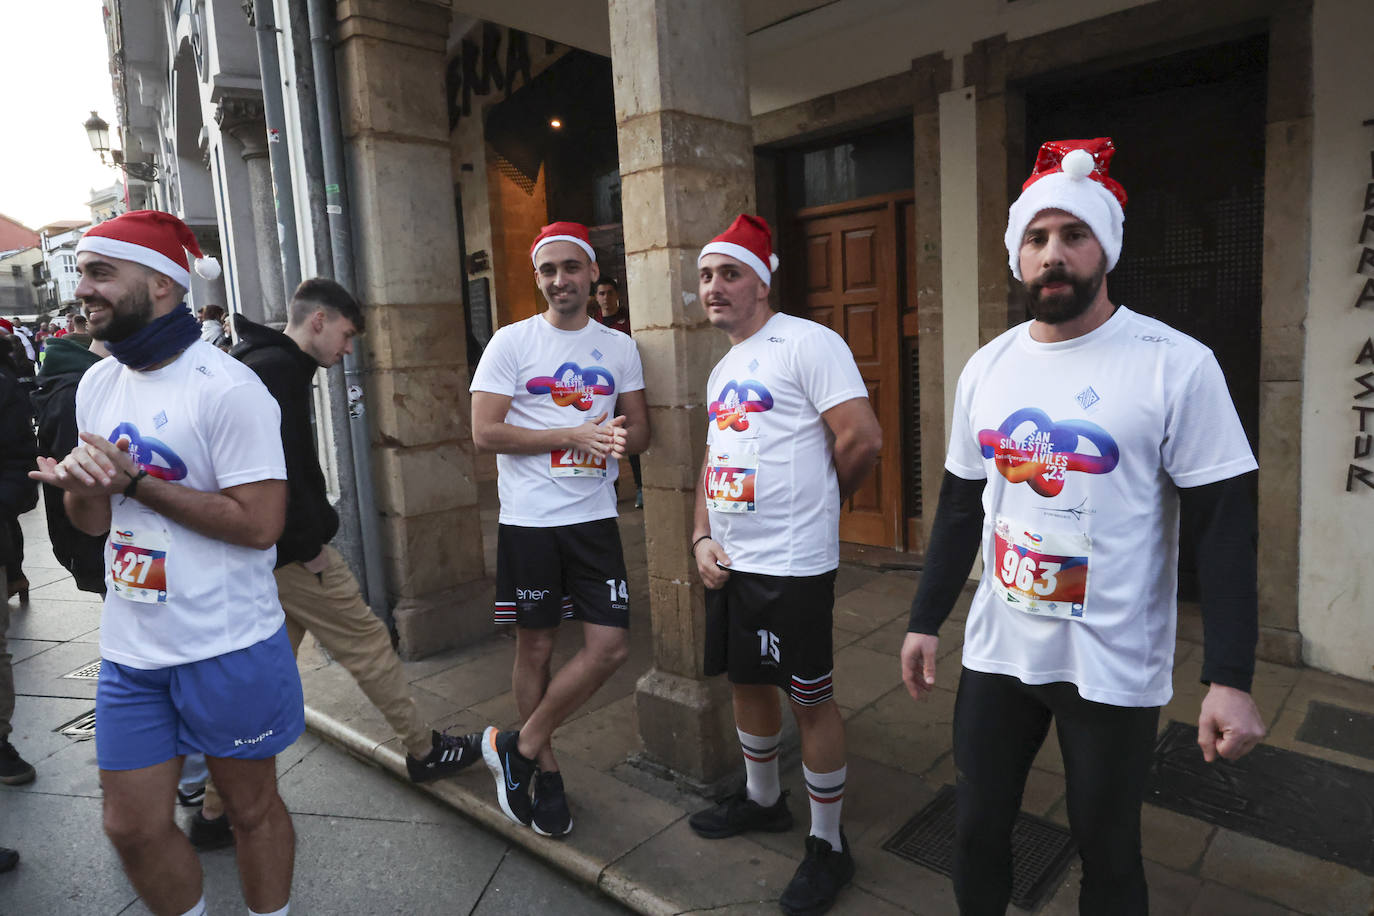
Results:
263 832
157 857
604 649
530 681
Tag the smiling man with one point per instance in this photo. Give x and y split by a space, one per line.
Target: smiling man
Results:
542 397
180 460
791 435
1078 440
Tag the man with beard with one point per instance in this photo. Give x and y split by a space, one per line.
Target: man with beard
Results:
791 435
1079 440
541 398
180 459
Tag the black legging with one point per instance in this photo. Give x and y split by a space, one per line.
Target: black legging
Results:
999 725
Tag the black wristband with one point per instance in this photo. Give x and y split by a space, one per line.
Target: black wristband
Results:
133 482
692 551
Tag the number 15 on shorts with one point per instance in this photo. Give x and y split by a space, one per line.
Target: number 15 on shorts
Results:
768 647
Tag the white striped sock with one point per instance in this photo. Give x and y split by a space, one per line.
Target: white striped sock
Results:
826 791
761 766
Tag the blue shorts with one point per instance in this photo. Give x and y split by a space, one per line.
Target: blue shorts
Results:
246 704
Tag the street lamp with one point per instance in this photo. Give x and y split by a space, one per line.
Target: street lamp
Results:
98 132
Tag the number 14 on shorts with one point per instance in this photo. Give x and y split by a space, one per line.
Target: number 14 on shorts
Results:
620 594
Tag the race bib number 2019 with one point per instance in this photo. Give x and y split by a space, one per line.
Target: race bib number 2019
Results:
138 565
1041 573
574 462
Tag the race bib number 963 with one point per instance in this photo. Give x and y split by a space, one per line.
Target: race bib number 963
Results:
1040 573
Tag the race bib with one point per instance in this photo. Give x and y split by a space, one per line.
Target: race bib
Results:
574 462
138 563
731 478
1039 572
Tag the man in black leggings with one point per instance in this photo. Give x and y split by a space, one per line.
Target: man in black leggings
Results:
1079 441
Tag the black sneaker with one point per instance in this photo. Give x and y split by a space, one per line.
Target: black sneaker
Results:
818 879
512 772
210 833
448 755
551 815
8 859
193 799
14 771
737 814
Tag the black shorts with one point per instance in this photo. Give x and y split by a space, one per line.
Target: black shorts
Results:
572 572
774 630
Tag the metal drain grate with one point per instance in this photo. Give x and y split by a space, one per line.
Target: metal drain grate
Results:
1040 850
87 672
82 728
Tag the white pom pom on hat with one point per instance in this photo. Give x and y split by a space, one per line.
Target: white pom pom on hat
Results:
208 268
1071 175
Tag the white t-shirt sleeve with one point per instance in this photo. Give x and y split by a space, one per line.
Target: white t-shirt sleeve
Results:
499 368
965 457
634 369
826 370
243 435
1203 439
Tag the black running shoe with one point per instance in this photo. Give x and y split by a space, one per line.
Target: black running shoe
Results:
818 879
14 771
210 833
512 772
737 814
551 815
8 859
448 754
193 799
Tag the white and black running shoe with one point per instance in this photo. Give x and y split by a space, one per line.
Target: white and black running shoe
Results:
512 772
551 816
448 754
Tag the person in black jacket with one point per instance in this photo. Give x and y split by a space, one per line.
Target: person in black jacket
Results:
18 494
317 589
54 401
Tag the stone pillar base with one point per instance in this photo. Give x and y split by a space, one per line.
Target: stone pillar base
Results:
687 726
1279 644
443 620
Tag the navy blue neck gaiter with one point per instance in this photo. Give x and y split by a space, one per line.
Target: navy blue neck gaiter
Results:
157 341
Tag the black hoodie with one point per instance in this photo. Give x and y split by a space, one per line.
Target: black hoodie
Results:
288 372
54 401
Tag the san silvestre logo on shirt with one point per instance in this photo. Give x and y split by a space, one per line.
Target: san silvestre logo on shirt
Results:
573 386
737 400
1031 448
153 455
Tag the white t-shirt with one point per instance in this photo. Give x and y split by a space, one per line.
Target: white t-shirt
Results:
206 422
1083 444
771 487
557 379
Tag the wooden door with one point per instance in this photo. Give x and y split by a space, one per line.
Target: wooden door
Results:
850 273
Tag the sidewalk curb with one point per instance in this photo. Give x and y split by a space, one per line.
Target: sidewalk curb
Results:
590 870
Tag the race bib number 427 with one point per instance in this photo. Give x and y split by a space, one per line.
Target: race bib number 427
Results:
138 566
1041 573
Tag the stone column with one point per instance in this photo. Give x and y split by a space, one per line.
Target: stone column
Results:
242 118
405 236
686 164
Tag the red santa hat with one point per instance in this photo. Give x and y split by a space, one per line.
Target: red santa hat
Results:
749 241
1071 175
562 232
151 238
6 326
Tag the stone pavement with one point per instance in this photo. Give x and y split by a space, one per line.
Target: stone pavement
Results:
631 838
365 843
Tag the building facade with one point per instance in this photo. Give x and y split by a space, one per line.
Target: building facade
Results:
884 140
